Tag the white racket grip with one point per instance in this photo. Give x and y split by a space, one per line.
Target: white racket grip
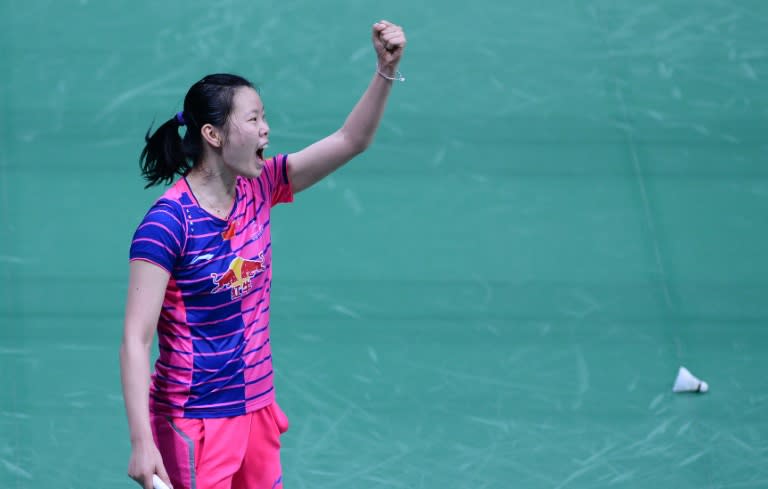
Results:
158 483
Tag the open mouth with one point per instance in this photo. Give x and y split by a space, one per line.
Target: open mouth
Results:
260 153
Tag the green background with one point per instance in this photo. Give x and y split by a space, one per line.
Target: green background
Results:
565 202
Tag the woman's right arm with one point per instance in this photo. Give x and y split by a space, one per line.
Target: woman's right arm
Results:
146 289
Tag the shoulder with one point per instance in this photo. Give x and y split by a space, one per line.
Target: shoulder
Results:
274 171
273 177
167 211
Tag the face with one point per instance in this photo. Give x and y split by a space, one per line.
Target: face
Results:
247 134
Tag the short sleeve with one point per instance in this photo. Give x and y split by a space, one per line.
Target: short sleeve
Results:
159 238
274 180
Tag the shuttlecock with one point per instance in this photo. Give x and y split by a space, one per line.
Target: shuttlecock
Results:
687 382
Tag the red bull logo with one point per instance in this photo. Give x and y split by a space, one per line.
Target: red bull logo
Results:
238 276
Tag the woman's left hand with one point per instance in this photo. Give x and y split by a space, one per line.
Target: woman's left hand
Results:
389 42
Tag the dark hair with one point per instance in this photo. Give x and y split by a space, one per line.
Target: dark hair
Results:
166 154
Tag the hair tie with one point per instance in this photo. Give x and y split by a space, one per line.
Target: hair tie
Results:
180 118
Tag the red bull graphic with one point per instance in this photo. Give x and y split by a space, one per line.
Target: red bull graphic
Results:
238 276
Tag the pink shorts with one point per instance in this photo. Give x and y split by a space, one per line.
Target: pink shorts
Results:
241 452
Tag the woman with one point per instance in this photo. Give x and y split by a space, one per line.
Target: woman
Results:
200 275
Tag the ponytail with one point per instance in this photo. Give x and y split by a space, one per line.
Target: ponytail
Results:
163 156
209 101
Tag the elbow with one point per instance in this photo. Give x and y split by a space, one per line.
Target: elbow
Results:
132 355
356 143
135 340
124 356
359 147
127 349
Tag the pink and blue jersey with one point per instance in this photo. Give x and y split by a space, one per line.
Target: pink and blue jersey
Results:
213 331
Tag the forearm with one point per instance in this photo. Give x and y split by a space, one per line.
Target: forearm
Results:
313 163
325 156
134 373
362 123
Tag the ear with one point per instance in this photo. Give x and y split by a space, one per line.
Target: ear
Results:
211 135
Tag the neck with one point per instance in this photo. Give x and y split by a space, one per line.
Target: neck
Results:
214 187
218 181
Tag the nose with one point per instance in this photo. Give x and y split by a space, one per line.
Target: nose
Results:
264 130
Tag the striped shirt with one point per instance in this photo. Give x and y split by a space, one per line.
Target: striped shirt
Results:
213 331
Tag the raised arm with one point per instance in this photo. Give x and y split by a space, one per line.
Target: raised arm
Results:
313 163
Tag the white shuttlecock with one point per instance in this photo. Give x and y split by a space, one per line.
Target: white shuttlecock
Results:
158 483
687 382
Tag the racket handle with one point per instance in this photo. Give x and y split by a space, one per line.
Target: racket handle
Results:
158 483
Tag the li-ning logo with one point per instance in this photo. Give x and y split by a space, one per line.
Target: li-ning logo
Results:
238 276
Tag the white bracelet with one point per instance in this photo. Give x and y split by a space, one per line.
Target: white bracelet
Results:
398 76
